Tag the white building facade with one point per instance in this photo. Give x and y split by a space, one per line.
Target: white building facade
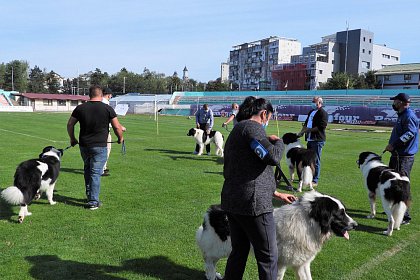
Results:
250 64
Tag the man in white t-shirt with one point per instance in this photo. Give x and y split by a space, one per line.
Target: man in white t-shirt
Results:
107 95
314 130
232 117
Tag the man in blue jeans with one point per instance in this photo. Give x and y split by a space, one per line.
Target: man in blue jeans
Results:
404 140
94 118
314 129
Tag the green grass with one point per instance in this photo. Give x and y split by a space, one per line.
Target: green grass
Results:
154 201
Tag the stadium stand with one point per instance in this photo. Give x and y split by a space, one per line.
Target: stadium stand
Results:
3 101
369 98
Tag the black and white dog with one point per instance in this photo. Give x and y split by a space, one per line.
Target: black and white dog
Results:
392 187
301 228
300 158
215 136
32 178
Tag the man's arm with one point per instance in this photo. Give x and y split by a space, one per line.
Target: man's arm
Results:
117 127
70 130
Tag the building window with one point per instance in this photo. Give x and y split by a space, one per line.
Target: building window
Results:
74 103
363 50
407 77
333 61
370 40
320 71
48 102
61 102
364 39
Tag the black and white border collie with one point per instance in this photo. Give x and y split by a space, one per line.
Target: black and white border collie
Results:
391 186
215 136
301 228
32 178
300 158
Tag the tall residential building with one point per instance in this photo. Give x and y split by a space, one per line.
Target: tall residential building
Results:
224 72
250 64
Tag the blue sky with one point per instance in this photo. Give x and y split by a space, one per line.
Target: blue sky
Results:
164 36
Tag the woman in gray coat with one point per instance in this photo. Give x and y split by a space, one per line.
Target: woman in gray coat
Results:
248 190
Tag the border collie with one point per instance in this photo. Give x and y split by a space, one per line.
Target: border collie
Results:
215 136
301 228
32 178
391 186
300 158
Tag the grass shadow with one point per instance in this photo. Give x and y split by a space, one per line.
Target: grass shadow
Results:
51 267
6 211
78 202
165 151
162 267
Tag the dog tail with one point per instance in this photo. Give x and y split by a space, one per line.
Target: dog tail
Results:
307 175
12 195
398 210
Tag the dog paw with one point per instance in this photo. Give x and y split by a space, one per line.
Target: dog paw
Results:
20 219
387 233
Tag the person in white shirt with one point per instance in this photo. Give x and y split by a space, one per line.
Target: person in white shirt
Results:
107 95
232 117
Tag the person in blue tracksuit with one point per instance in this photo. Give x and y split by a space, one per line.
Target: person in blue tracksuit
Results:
404 140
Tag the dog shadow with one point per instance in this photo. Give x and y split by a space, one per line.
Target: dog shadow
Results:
218 160
371 229
362 214
51 267
72 170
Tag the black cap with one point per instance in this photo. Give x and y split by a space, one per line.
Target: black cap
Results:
106 91
402 97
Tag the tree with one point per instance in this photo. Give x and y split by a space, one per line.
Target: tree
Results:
217 85
99 78
53 82
36 80
338 81
2 74
16 76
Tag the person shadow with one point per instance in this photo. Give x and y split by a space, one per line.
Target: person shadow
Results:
51 267
71 170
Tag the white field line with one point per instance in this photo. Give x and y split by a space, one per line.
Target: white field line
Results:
376 261
32 136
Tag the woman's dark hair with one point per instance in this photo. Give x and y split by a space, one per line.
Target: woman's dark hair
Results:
252 106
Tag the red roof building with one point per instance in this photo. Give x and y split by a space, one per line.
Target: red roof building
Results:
50 102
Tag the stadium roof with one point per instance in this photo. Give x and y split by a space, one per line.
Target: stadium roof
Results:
399 69
53 96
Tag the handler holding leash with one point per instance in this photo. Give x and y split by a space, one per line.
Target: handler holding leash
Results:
204 120
94 118
404 140
249 188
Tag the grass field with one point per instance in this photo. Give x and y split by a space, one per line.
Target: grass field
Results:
154 201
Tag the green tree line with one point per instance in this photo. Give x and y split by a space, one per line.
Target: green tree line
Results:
18 76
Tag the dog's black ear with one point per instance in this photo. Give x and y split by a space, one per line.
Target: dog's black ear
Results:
321 211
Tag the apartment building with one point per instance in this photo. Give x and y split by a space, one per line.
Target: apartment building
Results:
250 64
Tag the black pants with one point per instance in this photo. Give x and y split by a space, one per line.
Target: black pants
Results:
260 231
203 126
403 164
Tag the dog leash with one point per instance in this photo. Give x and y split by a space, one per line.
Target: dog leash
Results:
226 127
123 147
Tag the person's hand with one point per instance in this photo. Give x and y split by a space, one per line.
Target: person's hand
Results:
389 148
273 138
288 198
73 142
197 125
224 124
208 131
123 128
